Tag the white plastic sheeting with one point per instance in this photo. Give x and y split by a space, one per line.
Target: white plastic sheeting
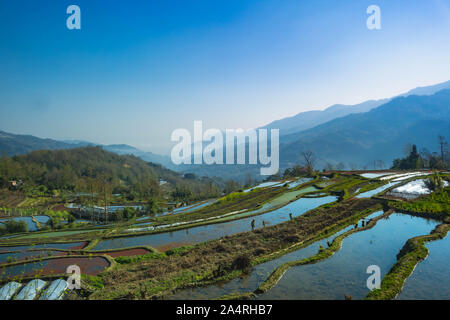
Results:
404 176
8 290
55 290
413 187
416 187
31 290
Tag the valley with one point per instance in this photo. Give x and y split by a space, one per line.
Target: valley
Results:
248 244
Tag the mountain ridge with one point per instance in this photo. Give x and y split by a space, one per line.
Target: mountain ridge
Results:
381 130
17 144
309 119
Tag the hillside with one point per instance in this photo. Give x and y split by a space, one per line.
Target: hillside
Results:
146 156
376 135
309 119
13 144
16 144
80 169
357 140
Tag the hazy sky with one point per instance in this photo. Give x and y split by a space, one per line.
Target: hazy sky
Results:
137 70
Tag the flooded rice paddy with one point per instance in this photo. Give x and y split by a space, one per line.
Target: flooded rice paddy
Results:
199 234
29 221
258 274
88 266
345 272
431 278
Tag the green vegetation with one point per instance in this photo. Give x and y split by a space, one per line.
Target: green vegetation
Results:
154 274
323 253
435 203
135 259
94 171
424 159
221 259
128 213
12 226
231 203
93 281
234 196
345 186
411 254
412 161
435 182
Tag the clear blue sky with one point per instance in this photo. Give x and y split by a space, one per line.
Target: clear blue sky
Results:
139 69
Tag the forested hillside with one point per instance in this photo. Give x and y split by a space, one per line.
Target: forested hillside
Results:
92 168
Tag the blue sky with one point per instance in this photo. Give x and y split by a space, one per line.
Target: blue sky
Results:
137 70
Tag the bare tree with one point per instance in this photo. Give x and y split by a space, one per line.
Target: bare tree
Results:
309 160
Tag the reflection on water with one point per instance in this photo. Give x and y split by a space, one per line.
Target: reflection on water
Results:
257 275
300 181
215 231
88 265
29 221
21 255
264 185
431 278
345 272
371 193
185 209
68 246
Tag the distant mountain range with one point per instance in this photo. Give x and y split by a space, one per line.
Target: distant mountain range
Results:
144 155
310 119
359 140
379 134
15 144
354 135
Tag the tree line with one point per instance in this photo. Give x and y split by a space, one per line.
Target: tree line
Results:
424 159
94 171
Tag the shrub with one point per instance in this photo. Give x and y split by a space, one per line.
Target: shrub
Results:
241 262
435 182
13 226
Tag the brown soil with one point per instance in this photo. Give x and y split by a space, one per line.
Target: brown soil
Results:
218 257
10 198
